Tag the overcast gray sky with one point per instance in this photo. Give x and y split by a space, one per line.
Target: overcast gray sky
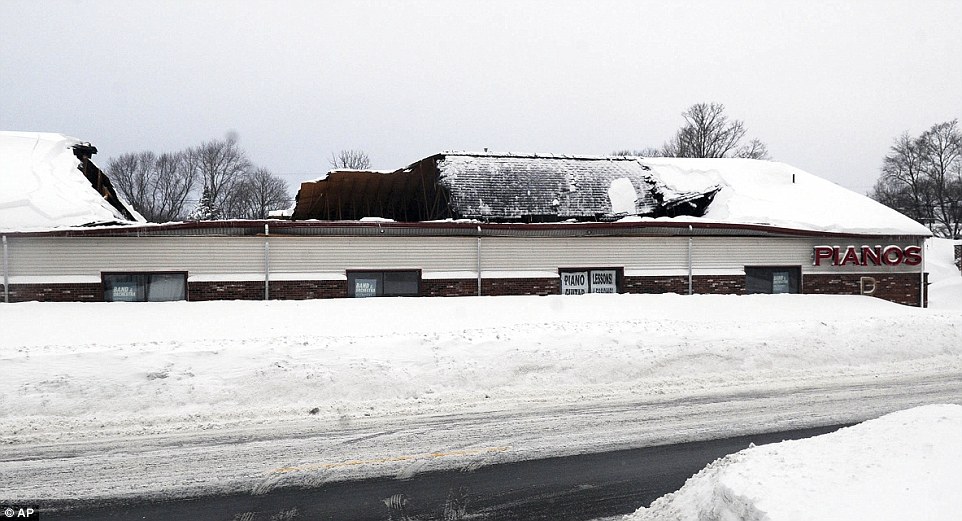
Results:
827 85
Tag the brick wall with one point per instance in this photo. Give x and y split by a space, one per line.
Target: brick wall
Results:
237 290
902 288
550 286
306 289
279 290
721 284
55 292
655 285
449 287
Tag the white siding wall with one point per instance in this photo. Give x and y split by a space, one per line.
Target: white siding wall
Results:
549 254
35 259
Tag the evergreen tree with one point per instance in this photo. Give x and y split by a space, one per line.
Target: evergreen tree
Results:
206 210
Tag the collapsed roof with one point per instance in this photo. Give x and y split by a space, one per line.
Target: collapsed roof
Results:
501 188
547 188
48 181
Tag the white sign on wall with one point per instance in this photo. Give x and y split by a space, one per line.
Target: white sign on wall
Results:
574 282
603 281
781 282
124 293
589 281
365 288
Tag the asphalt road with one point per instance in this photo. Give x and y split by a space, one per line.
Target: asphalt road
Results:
570 488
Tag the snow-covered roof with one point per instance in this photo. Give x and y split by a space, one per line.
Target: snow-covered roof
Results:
42 185
770 193
497 187
515 187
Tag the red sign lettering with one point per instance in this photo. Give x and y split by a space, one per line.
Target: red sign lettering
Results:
823 253
913 256
891 255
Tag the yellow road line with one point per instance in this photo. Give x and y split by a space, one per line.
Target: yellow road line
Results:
388 459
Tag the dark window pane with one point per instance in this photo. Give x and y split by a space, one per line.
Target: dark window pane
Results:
165 287
757 281
772 279
401 283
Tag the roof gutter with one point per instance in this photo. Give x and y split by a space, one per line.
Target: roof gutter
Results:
446 228
479 260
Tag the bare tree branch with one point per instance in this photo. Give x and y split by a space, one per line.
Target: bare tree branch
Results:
158 187
709 133
922 178
257 194
221 165
350 160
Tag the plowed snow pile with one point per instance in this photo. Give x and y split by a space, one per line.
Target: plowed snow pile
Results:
905 465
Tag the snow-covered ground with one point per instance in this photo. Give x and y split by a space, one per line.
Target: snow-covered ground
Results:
114 399
905 465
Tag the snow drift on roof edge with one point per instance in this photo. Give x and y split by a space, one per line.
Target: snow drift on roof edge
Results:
775 194
42 188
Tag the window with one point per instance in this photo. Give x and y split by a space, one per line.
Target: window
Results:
772 279
590 280
392 283
144 287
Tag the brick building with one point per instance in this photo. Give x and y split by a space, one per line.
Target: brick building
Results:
458 224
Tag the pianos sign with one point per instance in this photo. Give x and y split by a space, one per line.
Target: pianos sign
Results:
867 256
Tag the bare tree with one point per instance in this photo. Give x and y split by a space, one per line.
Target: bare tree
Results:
709 133
173 186
922 178
158 187
942 147
755 149
221 165
350 160
256 195
903 184
130 174
644 152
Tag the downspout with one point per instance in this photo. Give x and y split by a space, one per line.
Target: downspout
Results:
479 260
923 289
267 262
690 231
6 276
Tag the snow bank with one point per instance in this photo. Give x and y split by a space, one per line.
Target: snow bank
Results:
131 364
776 194
41 187
905 465
945 281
